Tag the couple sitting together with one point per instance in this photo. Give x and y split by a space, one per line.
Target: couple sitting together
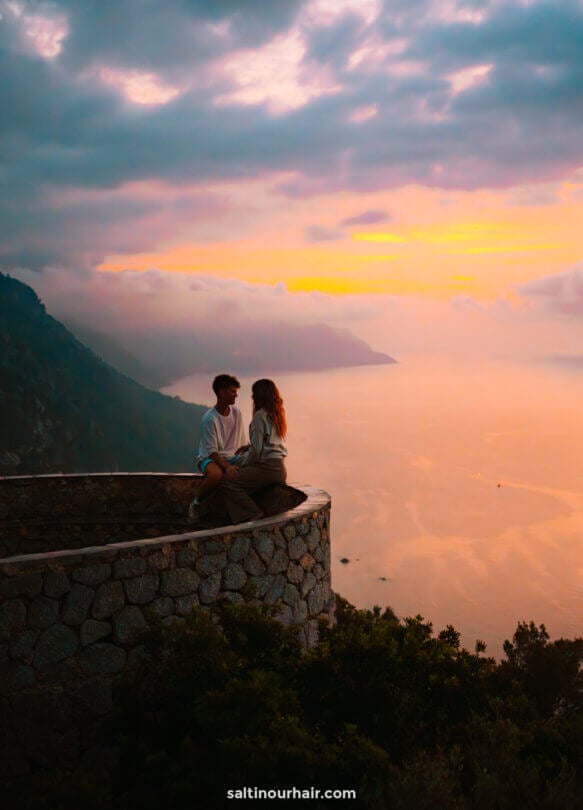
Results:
227 463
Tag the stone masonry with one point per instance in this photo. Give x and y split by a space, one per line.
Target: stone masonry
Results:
70 620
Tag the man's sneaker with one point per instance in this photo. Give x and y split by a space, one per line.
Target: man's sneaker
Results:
194 511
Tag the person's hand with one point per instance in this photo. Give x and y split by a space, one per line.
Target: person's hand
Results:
231 472
242 449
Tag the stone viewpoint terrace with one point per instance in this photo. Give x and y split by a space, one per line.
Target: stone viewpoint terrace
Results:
89 561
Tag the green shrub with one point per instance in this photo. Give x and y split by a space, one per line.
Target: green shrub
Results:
409 719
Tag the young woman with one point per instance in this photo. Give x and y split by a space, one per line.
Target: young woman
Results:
263 463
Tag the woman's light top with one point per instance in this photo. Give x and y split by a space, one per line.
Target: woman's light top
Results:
265 441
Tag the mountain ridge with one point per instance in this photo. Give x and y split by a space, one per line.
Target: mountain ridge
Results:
161 357
64 409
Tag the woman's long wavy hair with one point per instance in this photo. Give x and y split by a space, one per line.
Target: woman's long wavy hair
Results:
267 396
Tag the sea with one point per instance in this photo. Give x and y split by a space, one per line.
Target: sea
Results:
457 488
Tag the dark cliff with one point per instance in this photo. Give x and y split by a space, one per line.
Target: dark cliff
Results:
63 409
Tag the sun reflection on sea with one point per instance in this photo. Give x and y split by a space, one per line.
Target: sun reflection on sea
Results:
456 490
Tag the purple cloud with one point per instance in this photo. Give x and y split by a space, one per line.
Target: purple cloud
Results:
561 293
318 233
366 218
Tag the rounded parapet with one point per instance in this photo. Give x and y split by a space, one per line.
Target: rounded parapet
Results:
71 614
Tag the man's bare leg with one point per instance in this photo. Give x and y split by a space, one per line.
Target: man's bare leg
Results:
213 476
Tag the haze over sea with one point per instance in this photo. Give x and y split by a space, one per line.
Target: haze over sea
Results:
190 180
457 488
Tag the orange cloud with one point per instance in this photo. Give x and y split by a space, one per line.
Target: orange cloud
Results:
439 242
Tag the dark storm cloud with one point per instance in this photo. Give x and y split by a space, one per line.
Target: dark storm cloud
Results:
543 33
333 44
63 129
536 53
171 35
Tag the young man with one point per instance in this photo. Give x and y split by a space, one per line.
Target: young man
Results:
222 440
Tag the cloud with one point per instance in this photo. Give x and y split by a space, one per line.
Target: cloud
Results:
273 76
166 319
318 233
176 324
535 34
365 218
169 35
333 44
105 96
561 293
77 228
131 301
538 195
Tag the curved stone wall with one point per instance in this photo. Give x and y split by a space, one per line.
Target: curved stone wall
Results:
70 619
40 513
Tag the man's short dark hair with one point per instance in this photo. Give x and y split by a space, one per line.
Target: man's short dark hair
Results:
223 381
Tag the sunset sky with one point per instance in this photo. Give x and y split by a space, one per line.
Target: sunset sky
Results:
362 163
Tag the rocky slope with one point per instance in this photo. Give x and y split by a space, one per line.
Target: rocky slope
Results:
63 409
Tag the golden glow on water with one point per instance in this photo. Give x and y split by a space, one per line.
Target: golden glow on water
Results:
457 491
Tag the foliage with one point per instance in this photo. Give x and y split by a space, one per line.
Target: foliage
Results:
410 720
550 674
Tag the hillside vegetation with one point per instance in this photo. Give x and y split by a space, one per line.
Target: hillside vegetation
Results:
63 409
408 719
